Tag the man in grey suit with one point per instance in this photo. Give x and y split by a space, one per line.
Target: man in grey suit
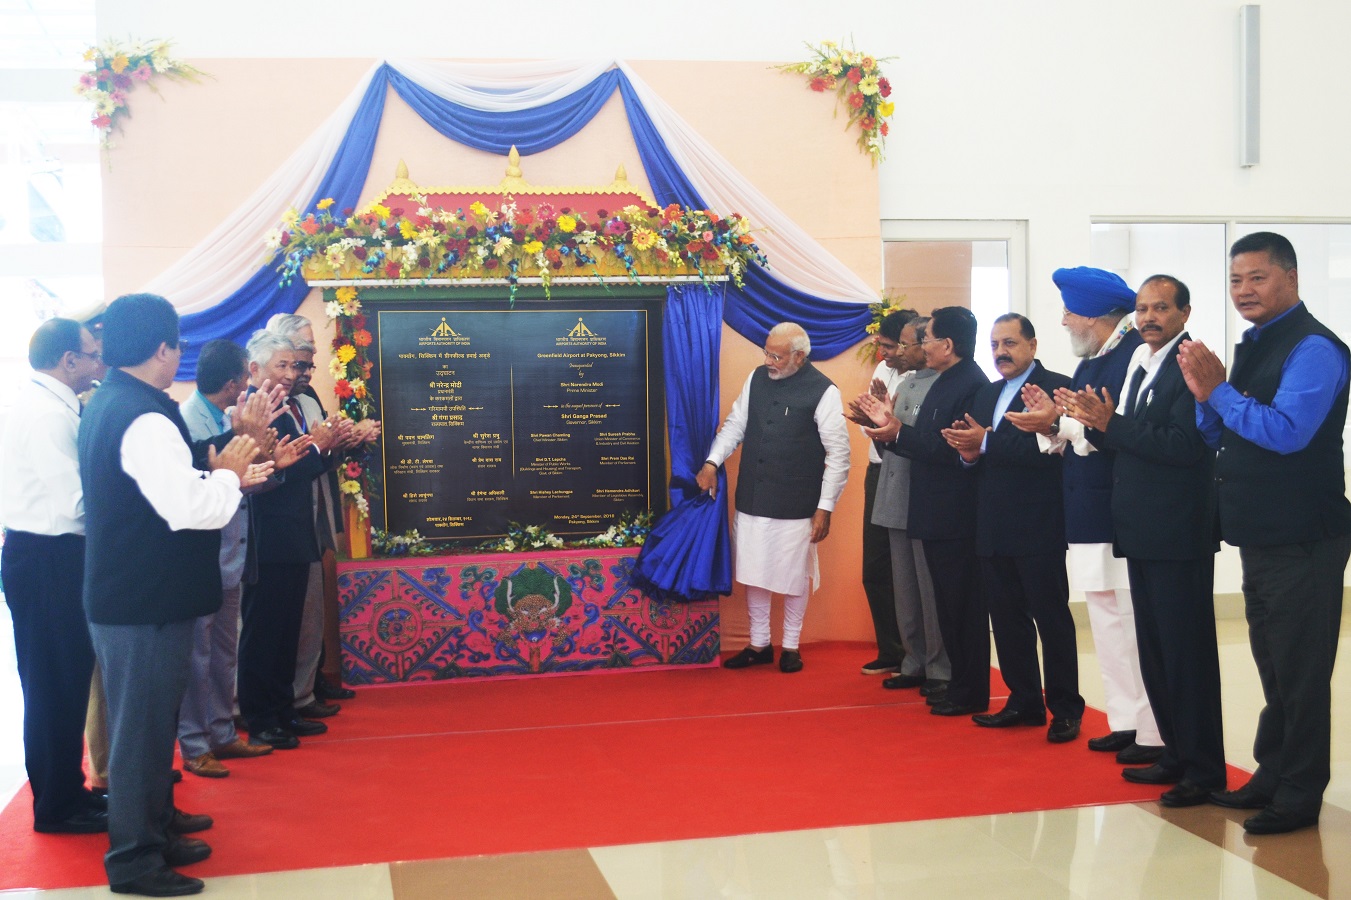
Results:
206 729
926 663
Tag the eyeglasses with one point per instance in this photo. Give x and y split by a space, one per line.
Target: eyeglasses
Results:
303 367
774 357
183 346
94 356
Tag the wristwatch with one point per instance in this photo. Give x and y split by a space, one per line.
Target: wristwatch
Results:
1055 428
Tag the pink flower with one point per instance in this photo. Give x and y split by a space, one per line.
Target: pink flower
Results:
118 97
142 72
707 235
616 227
87 80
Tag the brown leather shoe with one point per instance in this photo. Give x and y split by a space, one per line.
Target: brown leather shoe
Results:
206 766
241 749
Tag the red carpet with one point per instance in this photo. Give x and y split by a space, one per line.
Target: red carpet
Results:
509 765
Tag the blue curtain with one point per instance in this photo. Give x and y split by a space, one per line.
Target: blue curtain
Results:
688 555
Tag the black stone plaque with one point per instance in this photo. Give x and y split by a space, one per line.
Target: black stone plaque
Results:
546 414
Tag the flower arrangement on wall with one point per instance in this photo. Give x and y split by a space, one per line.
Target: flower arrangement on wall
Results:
859 85
867 351
509 243
116 70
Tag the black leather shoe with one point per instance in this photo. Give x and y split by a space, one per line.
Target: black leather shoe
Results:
1271 821
304 727
185 851
1139 755
952 708
97 801
881 666
1246 797
749 656
187 823
1062 730
326 690
163 882
790 661
1185 793
1112 743
178 776
1008 717
277 737
1155 774
935 697
87 821
933 686
316 710
900 682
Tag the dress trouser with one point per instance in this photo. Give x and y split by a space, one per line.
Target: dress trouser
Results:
1293 600
268 640
205 721
1111 615
145 673
1030 596
311 643
1180 662
44 580
877 579
916 609
962 619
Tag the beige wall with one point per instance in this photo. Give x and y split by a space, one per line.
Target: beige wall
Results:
186 163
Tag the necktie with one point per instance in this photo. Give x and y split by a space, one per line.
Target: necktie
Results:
299 416
1131 394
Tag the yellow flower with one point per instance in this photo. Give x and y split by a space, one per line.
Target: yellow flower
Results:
567 224
886 108
407 229
644 239
873 327
868 86
290 217
346 353
478 209
346 294
380 210
119 63
533 247
90 54
325 203
351 487
337 368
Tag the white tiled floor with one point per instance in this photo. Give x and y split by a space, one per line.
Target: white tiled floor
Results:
1112 851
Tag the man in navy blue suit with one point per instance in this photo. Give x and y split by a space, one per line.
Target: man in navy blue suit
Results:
1162 525
1020 540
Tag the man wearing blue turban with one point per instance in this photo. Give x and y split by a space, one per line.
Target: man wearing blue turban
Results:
1097 317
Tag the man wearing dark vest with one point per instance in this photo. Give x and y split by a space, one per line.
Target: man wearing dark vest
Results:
793 468
943 505
1020 540
151 568
1161 516
1281 495
1097 319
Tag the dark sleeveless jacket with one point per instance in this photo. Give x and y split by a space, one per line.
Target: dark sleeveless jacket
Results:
138 571
1088 479
782 457
1266 498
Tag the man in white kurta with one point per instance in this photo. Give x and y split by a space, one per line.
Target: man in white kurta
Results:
793 469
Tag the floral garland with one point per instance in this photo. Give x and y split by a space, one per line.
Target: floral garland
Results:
860 86
410 543
431 242
629 530
351 369
116 70
523 537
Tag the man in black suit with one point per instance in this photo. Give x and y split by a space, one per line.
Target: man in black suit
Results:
1020 539
943 505
1162 524
272 607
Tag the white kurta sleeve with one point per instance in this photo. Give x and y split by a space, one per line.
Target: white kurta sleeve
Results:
160 462
834 431
733 430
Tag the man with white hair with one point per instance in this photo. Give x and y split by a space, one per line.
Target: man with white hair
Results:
793 468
